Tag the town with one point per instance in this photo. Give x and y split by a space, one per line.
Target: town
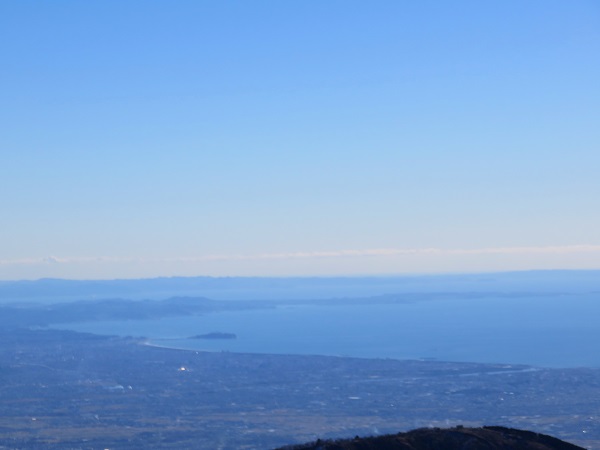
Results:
62 389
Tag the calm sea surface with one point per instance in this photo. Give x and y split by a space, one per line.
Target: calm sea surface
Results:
556 331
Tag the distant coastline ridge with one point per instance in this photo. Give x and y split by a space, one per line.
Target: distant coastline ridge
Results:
214 335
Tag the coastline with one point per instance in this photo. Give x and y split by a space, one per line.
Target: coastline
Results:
150 343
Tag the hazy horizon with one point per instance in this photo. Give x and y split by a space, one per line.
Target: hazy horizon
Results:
374 276
376 262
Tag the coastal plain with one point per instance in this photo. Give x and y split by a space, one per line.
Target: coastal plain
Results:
62 389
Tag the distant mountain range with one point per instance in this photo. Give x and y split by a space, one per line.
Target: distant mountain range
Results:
293 288
35 315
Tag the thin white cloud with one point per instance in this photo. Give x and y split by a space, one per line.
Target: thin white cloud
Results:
381 252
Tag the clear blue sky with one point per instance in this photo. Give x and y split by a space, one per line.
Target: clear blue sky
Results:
145 138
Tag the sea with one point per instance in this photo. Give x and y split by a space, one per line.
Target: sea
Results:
555 331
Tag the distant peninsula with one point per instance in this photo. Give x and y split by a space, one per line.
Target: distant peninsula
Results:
214 335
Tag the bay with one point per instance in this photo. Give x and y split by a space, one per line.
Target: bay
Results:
555 331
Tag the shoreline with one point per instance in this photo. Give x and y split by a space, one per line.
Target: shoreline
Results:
509 368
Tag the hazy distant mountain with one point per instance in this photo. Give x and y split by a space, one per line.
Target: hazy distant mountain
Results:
253 288
486 438
18 316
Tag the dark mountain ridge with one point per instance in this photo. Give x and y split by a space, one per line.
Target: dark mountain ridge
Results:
458 438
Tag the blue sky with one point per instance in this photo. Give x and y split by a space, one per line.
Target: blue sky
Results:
153 138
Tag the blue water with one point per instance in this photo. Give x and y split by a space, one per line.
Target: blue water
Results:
556 331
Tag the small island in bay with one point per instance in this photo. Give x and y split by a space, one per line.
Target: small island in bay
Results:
214 335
